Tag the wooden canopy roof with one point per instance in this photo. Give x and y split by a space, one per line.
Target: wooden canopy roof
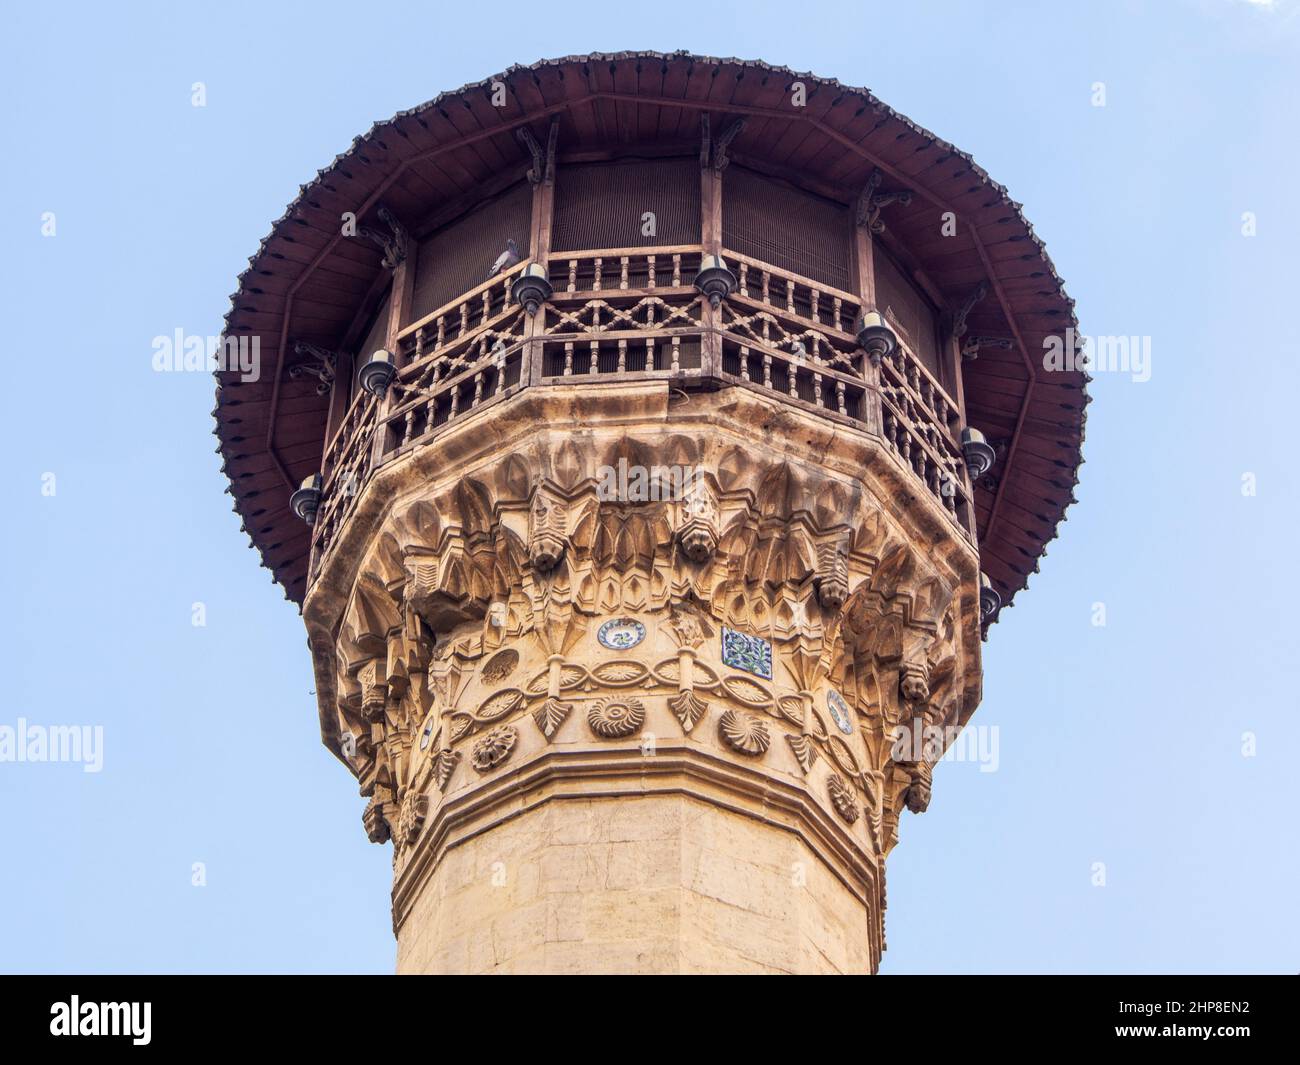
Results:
306 282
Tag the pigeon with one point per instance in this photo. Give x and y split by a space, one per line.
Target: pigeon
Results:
506 259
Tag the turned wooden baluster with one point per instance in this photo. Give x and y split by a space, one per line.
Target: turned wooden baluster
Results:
767 370
568 358
677 271
744 363
677 354
744 279
622 357
573 275
600 263
839 398
650 271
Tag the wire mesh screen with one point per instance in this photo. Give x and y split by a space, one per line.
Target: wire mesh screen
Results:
376 333
908 310
633 203
787 227
374 338
458 256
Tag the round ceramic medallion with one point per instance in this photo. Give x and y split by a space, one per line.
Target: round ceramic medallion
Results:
621 633
839 711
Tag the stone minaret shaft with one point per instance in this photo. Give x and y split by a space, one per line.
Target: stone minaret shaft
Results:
643 735
669 430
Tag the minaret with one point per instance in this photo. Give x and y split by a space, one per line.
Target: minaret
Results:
649 441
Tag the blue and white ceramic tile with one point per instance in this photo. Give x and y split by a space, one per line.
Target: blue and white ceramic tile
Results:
839 711
620 634
427 734
750 653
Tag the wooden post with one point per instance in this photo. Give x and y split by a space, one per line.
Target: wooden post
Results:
340 398
864 287
539 251
959 394
399 310
711 240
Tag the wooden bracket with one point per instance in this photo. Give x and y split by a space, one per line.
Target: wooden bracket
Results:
871 200
395 242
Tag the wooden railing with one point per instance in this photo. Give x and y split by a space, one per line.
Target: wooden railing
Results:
345 467
633 313
629 312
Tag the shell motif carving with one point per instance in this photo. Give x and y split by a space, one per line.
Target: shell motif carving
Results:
616 716
494 748
744 733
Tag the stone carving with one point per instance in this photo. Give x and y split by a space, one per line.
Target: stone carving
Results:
917 795
832 576
411 817
505 577
745 733
698 534
494 748
499 704
550 716
501 665
843 798
547 539
912 683
689 708
443 764
377 830
686 629
616 717
805 751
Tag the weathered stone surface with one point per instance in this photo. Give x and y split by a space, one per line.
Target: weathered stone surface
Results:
643 800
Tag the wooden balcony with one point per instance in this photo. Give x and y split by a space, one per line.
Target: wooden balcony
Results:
634 314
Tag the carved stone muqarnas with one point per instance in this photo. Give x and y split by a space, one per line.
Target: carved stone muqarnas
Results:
475 603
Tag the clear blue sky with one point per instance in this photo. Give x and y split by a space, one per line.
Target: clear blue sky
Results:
1118 744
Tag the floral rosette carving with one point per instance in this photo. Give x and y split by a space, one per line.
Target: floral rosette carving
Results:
745 733
616 717
494 748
